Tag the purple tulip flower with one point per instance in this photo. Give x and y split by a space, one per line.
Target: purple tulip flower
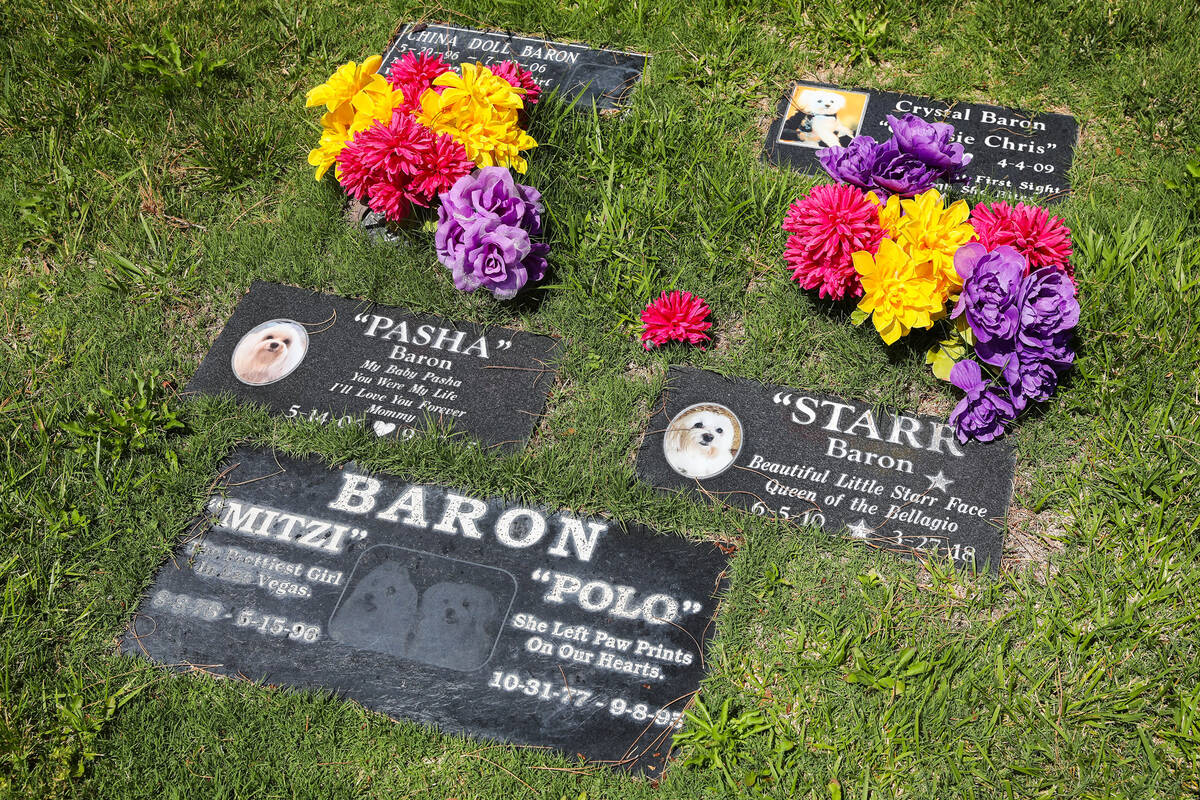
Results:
930 142
1035 383
983 412
899 173
853 164
991 290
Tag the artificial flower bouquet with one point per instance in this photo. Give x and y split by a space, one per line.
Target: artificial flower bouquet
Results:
997 278
427 134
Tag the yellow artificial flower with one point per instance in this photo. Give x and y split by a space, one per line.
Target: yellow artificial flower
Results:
480 111
335 134
375 102
889 214
478 85
929 232
899 293
342 85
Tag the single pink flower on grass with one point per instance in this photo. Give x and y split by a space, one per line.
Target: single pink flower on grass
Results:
675 317
827 226
520 78
1030 230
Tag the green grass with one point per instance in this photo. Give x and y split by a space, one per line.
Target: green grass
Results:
154 165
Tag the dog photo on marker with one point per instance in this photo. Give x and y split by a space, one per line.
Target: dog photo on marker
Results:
270 352
819 117
703 440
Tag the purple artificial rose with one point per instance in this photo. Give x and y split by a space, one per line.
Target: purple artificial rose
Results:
485 224
990 294
899 173
852 164
930 142
1048 306
1035 383
982 413
1054 350
492 256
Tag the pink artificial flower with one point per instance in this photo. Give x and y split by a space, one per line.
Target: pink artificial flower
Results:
827 227
1044 240
412 74
445 162
391 167
520 78
675 317
394 151
388 199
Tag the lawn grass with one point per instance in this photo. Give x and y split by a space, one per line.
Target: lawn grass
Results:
146 194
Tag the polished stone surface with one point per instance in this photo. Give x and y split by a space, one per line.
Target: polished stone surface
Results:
480 615
1017 155
581 74
896 481
343 361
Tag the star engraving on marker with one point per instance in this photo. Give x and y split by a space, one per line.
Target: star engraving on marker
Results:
860 529
938 481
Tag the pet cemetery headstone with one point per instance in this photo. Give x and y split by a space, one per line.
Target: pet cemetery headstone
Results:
896 481
1015 155
341 361
483 616
581 74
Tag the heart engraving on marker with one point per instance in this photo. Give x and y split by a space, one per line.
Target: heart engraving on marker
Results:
383 428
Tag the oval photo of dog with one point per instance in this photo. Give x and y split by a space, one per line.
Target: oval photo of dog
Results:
269 352
703 440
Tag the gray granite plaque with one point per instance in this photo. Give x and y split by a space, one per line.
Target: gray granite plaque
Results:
895 481
342 361
1015 155
581 74
483 616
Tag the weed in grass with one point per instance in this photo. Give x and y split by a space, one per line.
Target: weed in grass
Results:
163 61
719 740
125 424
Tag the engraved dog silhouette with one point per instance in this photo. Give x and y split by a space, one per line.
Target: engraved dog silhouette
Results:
457 626
380 612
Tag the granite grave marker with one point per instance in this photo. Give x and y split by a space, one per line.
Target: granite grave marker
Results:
485 617
581 74
1015 155
896 481
341 361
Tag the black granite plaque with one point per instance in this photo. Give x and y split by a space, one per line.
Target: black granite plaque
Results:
896 481
1015 155
341 361
581 74
486 617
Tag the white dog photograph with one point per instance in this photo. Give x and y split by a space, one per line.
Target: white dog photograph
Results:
269 352
820 117
703 440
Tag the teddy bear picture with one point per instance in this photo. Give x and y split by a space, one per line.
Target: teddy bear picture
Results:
819 117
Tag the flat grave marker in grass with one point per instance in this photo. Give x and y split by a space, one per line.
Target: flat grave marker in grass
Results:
581 74
1016 155
896 481
486 617
337 360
